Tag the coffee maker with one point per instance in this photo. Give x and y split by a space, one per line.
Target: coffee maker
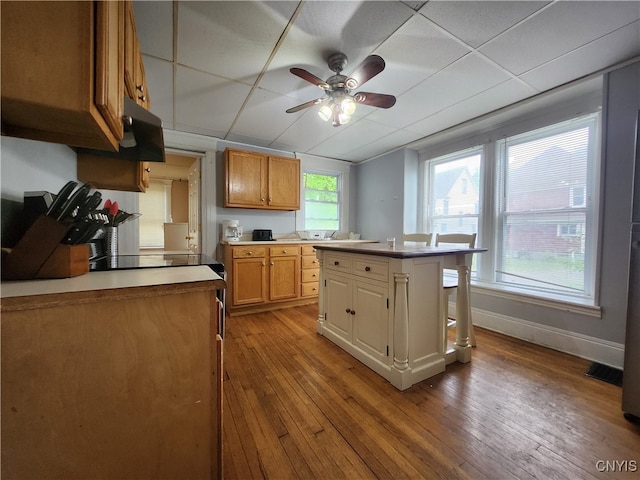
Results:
231 230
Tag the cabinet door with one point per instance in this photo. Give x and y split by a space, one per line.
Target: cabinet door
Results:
246 174
110 63
284 277
371 319
284 183
338 318
249 281
113 173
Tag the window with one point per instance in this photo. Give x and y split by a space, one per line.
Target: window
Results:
532 199
543 216
455 193
321 201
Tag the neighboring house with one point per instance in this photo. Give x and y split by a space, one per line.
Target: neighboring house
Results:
456 194
547 213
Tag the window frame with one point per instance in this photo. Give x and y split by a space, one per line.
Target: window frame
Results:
488 216
338 177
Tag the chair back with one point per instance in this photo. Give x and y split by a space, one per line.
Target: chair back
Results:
418 238
456 238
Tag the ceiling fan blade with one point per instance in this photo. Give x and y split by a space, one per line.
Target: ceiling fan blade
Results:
368 69
379 100
310 77
306 105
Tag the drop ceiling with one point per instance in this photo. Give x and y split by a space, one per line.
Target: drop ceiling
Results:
221 68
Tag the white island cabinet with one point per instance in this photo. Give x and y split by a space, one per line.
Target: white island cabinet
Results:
384 306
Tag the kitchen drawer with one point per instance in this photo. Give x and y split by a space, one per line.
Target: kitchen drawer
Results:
308 250
310 289
311 275
248 252
310 261
337 263
371 269
284 251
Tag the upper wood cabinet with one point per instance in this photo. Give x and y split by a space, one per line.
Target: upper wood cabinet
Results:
113 173
257 180
134 77
62 72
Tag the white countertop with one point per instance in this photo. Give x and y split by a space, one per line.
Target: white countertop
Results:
109 280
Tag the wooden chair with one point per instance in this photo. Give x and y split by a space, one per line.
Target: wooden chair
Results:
418 238
451 284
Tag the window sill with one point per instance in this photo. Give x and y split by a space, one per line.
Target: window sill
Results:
556 301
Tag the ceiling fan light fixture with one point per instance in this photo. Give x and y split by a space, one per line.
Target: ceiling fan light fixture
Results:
325 112
348 105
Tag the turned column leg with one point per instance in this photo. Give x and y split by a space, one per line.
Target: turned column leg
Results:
320 323
463 314
401 323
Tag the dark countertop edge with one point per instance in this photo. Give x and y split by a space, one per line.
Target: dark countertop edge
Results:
382 250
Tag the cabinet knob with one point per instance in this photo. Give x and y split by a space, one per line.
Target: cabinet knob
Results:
262 199
367 269
264 264
249 253
336 263
353 312
284 251
348 310
143 98
148 170
140 88
314 275
270 199
270 263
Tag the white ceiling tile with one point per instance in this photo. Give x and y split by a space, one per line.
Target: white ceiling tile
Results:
207 101
263 116
159 75
467 77
477 22
382 145
557 30
154 27
494 98
231 39
352 137
415 52
307 132
616 47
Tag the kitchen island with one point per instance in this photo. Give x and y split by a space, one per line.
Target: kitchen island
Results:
384 306
114 374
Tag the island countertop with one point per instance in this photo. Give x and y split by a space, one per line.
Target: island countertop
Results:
399 251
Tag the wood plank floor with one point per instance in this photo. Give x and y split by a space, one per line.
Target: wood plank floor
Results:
297 406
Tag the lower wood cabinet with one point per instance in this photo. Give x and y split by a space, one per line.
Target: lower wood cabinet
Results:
115 383
266 277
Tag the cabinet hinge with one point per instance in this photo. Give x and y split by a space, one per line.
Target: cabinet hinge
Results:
325 283
387 307
387 350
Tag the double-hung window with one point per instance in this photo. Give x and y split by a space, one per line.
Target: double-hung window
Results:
321 201
546 213
532 199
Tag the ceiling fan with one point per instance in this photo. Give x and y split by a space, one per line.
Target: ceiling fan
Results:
339 104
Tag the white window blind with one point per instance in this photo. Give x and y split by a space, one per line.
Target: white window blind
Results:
545 216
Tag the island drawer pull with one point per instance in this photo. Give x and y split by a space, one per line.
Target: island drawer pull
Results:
367 269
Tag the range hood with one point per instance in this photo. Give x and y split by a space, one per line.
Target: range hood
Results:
143 139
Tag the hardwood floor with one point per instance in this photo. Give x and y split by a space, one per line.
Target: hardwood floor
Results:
297 406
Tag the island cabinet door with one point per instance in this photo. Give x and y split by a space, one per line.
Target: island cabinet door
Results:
370 313
338 318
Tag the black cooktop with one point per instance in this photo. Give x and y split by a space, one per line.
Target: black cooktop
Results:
129 262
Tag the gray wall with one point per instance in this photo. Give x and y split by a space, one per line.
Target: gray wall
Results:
387 190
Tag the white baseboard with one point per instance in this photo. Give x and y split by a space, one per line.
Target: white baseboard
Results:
583 346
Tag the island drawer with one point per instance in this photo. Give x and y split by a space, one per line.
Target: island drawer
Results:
371 269
337 263
248 252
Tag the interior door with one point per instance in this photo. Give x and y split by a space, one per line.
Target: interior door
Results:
194 207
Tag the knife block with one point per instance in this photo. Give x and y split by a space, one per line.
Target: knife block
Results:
39 254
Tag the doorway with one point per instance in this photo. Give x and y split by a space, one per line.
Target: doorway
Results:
170 208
